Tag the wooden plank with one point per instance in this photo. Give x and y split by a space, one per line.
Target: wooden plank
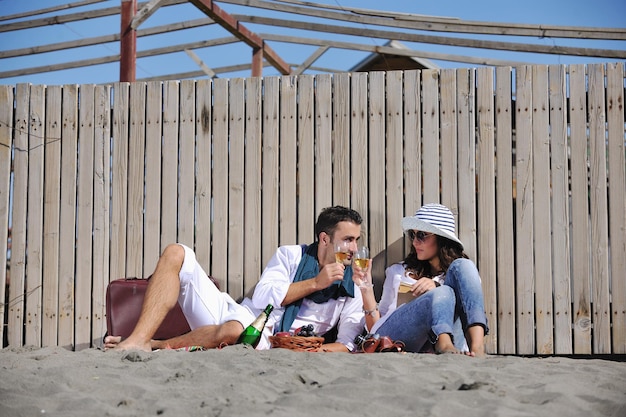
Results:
16 306
524 212
486 150
393 169
581 266
288 153
6 144
323 143
67 238
306 159
252 194
541 211
34 226
341 139
376 166
617 199
152 209
236 175
269 196
219 260
359 151
101 198
504 204
51 215
169 164
187 165
599 211
204 193
465 105
119 173
412 147
430 135
136 186
448 129
84 218
561 272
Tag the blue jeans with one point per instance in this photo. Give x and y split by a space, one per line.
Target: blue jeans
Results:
445 309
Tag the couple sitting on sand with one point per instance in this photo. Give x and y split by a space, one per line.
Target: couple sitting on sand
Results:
307 286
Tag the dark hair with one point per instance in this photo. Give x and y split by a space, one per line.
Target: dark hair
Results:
330 217
448 251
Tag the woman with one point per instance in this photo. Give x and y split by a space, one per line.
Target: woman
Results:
446 286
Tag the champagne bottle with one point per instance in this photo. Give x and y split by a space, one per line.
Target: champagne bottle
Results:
251 335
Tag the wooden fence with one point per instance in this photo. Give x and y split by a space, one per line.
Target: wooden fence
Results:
96 180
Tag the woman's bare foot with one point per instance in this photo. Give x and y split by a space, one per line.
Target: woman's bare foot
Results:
444 345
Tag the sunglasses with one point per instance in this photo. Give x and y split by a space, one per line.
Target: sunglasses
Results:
419 235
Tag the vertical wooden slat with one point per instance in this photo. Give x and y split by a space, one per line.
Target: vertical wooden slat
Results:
393 168
306 159
187 163
323 143
84 218
136 168
581 268
252 194
376 167
505 253
6 144
101 197
204 193
541 211
51 201
152 203
448 121
465 105
560 212
599 210
169 163
67 238
219 261
524 211
359 151
270 174
341 139
119 173
236 163
430 136
486 260
288 169
412 148
18 229
617 202
34 228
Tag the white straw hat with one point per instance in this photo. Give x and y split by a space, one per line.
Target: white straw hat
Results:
433 218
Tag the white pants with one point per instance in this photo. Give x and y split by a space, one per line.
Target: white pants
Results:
202 302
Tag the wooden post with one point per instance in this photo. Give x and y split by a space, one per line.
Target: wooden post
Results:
257 62
128 41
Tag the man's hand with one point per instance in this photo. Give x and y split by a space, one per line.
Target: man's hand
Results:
422 286
330 273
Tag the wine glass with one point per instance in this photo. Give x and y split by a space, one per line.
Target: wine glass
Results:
343 252
362 259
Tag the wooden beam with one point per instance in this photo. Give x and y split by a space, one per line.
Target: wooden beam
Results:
240 31
145 12
257 62
128 42
310 60
208 71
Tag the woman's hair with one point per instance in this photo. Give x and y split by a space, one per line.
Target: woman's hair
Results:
447 252
330 217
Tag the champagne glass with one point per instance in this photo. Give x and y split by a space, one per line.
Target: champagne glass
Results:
362 259
343 252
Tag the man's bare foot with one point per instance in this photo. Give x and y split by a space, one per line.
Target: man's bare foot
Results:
116 343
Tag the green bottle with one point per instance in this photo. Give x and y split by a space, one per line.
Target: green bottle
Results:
252 334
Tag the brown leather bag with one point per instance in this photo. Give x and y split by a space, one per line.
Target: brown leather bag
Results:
124 298
376 343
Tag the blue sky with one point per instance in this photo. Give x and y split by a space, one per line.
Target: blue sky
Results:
599 13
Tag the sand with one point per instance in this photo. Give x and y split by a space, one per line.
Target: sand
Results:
239 381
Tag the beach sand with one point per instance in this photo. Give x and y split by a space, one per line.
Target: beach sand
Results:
239 381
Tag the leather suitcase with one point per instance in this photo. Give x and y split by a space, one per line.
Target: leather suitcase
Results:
124 298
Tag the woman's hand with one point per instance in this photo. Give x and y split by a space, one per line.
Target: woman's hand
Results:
422 286
362 277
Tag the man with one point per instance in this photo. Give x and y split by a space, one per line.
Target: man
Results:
304 283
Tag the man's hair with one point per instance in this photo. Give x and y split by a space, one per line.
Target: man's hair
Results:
330 217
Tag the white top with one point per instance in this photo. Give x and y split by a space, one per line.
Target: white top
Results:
272 288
